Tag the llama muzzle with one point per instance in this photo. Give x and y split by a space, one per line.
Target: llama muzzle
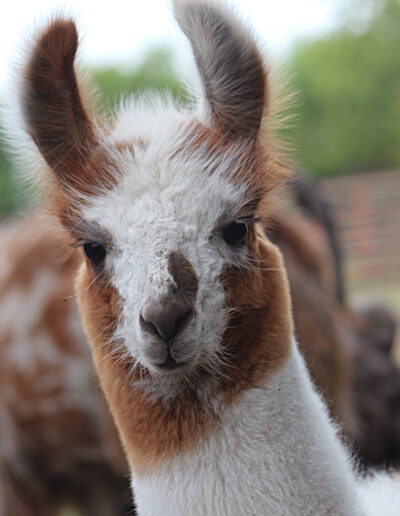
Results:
165 315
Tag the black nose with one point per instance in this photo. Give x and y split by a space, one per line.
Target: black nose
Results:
167 319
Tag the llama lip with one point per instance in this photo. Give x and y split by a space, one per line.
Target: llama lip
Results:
170 363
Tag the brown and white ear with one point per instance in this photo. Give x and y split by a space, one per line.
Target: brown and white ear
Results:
230 65
51 103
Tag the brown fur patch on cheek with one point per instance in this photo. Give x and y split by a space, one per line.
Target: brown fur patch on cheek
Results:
258 338
99 304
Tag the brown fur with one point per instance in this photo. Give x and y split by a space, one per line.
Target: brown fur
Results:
258 338
59 123
57 120
98 174
320 324
261 166
234 77
184 275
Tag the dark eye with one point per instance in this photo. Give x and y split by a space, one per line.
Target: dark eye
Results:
235 233
95 252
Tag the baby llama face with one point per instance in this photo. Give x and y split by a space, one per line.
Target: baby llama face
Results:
167 206
165 234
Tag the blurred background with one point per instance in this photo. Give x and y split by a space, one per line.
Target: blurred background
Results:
338 228
342 59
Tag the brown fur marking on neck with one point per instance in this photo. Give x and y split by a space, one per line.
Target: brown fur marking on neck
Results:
258 338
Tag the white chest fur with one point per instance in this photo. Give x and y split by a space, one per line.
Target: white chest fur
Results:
277 454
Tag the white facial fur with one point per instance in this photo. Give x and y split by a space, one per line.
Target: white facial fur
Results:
167 201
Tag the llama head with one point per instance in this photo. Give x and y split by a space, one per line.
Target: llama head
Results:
166 204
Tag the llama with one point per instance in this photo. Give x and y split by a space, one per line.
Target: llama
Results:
57 440
184 300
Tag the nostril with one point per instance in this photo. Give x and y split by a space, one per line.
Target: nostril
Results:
150 327
183 321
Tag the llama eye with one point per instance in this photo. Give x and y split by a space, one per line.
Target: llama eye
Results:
95 252
235 233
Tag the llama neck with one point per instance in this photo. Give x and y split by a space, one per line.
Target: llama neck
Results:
275 453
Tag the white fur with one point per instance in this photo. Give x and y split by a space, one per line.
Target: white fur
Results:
276 454
168 201
380 494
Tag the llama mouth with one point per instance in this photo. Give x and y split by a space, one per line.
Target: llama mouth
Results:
170 364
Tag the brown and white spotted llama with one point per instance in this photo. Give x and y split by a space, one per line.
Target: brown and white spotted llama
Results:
57 441
184 300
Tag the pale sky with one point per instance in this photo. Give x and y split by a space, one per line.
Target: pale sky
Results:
118 31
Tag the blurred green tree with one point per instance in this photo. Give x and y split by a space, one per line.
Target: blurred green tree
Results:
348 86
154 72
9 194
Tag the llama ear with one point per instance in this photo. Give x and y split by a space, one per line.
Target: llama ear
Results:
230 65
51 102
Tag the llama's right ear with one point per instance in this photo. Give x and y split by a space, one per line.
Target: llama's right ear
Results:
51 102
230 66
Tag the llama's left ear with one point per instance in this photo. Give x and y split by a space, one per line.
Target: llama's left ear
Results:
230 66
51 103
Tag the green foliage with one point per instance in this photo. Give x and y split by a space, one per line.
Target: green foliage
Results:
349 95
154 72
10 192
